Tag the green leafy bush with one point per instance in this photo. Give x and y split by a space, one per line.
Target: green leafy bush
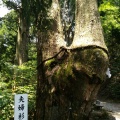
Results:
114 89
17 80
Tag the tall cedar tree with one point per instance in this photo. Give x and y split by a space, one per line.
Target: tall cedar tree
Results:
70 72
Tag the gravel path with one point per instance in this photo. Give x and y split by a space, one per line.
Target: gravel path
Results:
113 108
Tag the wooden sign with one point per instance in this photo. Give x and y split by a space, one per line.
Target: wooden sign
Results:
21 107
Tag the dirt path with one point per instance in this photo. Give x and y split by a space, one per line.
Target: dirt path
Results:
113 108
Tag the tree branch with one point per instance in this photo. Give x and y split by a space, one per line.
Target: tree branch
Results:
62 49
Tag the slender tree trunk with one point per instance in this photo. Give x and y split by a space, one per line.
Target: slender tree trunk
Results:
74 73
40 93
22 40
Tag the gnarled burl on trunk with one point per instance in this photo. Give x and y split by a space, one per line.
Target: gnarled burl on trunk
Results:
74 75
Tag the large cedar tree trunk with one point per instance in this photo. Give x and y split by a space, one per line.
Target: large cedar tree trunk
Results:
74 73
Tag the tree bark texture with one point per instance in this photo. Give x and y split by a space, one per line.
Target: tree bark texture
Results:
72 77
74 83
40 84
22 40
88 30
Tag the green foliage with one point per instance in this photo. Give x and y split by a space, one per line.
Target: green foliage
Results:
16 80
39 13
114 90
10 4
8 37
110 16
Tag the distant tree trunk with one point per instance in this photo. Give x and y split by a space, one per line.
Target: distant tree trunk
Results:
22 40
74 73
40 83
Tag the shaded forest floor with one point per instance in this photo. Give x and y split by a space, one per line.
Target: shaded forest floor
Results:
110 105
113 108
